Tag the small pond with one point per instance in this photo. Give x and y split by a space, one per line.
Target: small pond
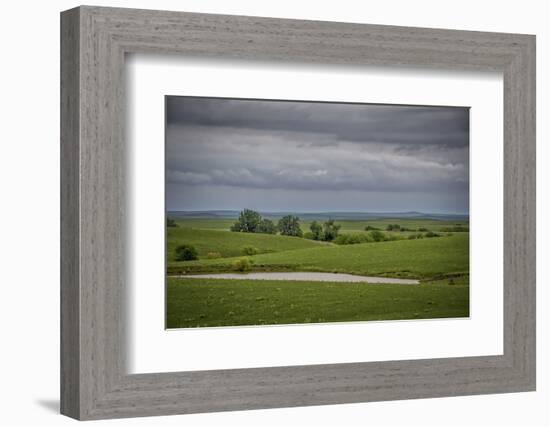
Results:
305 276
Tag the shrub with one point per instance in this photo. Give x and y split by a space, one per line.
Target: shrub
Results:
186 253
171 222
431 234
309 235
242 264
370 227
249 250
393 237
213 255
416 236
342 239
352 239
393 227
457 228
423 229
377 236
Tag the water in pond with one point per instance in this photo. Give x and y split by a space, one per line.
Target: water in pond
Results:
305 276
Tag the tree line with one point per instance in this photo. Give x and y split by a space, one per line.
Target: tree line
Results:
250 221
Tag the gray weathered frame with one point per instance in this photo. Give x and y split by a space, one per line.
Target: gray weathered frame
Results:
94 41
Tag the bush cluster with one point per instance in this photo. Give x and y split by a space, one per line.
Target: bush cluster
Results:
457 228
186 253
393 227
371 236
431 234
379 236
249 250
289 225
242 264
250 221
171 222
353 239
327 232
393 237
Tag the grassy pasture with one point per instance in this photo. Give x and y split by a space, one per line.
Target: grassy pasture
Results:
206 223
347 225
207 302
441 263
413 224
229 244
425 258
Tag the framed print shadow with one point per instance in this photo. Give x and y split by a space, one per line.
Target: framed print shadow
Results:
279 211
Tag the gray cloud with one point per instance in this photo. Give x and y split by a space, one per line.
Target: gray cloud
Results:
316 149
348 122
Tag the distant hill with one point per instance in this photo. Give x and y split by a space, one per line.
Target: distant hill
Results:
321 215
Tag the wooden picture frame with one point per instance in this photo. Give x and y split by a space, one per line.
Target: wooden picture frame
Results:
94 382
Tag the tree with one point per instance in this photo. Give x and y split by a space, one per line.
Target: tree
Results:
316 230
171 223
377 236
248 221
393 227
330 230
186 253
266 226
289 225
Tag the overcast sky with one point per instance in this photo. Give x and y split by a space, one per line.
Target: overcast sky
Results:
304 156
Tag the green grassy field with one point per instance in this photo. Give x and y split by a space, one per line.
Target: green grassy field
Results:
347 225
423 259
441 263
207 302
229 244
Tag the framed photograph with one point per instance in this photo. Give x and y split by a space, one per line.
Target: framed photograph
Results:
290 192
262 213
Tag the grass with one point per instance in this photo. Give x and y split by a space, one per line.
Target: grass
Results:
347 225
441 263
206 223
424 259
229 244
214 302
412 224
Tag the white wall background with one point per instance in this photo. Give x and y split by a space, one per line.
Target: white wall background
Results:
29 212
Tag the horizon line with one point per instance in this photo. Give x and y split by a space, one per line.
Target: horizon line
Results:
321 211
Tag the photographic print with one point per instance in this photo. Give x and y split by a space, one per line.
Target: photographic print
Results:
293 212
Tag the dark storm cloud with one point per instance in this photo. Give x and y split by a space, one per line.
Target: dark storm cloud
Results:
315 150
347 122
